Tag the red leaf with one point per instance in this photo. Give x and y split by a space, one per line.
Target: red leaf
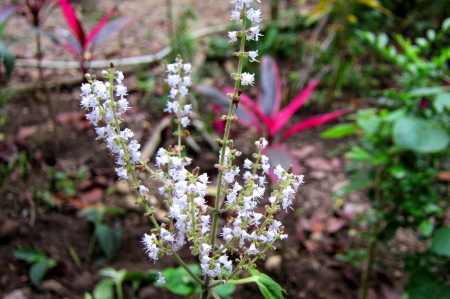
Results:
73 22
314 122
269 99
284 116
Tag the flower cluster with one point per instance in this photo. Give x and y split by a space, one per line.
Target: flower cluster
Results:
179 81
247 233
98 97
243 11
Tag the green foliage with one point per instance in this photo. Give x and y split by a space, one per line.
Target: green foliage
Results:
109 239
38 261
354 256
179 281
268 287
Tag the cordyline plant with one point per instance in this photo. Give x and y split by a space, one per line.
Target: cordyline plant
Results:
81 43
265 115
225 248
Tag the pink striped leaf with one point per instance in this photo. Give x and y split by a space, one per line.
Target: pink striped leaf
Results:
269 99
73 22
286 114
314 122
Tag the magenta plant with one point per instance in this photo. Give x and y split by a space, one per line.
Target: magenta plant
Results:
267 117
81 43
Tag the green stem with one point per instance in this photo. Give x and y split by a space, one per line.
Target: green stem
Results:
205 285
119 290
185 266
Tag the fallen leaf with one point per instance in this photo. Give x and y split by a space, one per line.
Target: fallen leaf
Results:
335 224
303 152
312 246
92 196
444 176
318 163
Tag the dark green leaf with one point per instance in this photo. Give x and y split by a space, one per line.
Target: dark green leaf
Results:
339 131
389 231
441 241
29 255
106 240
37 270
104 289
8 58
268 287
425 285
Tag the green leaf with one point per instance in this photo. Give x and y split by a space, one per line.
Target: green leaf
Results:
398 171
425 91
446 24
359 154
369 124
421 42
115 210
29 255
425 285
104 289
268 287
431 34
224 290
420 135
441 241
426 228
88 295
178 281
382 40
37 270
442 102
106 240
339 131
8 58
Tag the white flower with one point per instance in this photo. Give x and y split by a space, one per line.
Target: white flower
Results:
278 171
252 249
120 77
122 173
247 78
248 164
261 143
161 279
233 36
143 190
254 15
150 247
187 67
253 33
185 121
86 88
252 55
236 16
172 68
